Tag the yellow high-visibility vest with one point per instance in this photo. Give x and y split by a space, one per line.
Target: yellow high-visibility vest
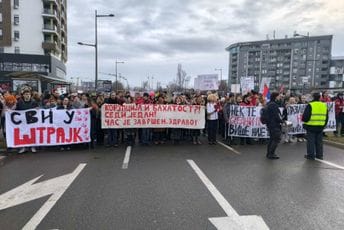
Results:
319 111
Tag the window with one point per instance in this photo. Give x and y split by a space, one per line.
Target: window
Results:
0 17
2 50
16 35
16 19
17 50
0 32
16 4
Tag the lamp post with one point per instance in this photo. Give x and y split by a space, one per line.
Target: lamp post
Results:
117 62
95 45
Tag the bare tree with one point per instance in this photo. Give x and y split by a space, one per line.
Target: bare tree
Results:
145 85
181 77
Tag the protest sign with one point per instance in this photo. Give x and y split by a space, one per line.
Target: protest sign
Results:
44 127
244 121
153 116
295 117
246 84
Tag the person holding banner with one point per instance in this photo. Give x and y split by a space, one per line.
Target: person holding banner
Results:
274 125
212 118
315 118
25 103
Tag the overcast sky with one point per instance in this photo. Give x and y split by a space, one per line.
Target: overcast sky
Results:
153 36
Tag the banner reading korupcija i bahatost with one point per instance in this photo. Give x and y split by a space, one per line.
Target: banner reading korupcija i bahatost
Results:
44 127
153 116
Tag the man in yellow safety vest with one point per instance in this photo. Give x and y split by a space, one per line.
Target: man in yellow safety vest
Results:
315 118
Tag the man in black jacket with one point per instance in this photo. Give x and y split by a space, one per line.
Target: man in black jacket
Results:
274 125
315 118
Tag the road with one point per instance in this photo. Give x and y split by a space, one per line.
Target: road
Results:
158 188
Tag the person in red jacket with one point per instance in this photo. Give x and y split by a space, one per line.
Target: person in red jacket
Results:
339 108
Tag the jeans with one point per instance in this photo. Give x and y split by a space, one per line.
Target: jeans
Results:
112 137
339 122
212 128
275 138
314 144
145 135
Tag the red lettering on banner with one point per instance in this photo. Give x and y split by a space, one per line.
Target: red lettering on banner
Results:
26 140
70 136
50 131
41 135
60 135
76 136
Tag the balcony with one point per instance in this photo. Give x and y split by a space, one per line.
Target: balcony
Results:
51 29
50 14
51 1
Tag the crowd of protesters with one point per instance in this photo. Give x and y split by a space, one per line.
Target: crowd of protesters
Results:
217 114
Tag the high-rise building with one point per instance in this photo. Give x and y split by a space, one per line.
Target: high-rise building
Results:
33 42
292 63
336 73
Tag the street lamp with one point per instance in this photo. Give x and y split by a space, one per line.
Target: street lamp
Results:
117 62
95 45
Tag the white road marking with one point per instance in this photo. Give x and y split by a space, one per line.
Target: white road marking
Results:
228 147
233 220
30 191
330 163
126 158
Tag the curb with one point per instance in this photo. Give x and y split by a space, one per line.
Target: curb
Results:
335 144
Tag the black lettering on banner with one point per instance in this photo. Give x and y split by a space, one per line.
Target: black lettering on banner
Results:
238 130
49 116
13 114
259 132
30 117
330 106
297 129
331 125
70 116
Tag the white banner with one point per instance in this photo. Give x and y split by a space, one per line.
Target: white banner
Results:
245 121
246 84
44 127
153 116
295 116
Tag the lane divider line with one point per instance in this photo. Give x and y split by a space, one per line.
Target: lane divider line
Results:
228 147
126 158
229 210
330 163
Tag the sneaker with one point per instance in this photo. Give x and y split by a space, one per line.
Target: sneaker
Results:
22 150
199 142
304 139
286 141
319 157
61 149
33 149
299 140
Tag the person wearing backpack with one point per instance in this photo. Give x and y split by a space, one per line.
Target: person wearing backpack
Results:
273 120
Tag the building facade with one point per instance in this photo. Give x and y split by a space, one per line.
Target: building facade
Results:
297 63
33 41
336 73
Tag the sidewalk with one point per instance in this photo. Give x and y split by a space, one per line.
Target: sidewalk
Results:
334 141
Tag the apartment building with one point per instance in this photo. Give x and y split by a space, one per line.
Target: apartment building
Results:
298 63
33 42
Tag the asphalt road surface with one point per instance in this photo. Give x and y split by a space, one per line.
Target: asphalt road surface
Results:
156 187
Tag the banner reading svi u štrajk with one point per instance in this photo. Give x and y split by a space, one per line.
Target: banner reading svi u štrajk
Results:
44 127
